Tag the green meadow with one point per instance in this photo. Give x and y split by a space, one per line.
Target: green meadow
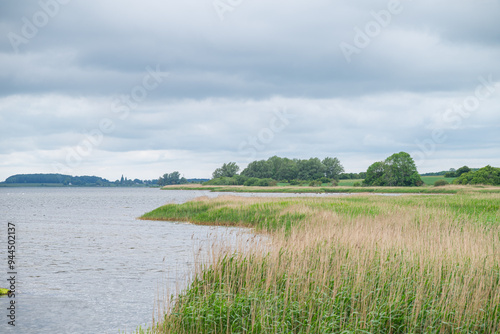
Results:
429 180
356 264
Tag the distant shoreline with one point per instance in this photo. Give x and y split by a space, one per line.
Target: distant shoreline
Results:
60 185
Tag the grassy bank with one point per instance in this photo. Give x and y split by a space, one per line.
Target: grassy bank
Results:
362 264
429 180
452 189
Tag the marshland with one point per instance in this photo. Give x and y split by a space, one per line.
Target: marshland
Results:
350 264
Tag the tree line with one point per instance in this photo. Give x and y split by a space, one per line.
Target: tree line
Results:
81 181
487 175
397 170
285 169
277 169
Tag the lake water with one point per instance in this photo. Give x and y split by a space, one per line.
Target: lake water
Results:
85 264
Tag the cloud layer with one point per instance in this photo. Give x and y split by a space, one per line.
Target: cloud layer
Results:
147 88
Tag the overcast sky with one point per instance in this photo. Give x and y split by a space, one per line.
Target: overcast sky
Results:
141 88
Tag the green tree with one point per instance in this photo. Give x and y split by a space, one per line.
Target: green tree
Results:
402 171
312 169
275 164
287 170
170 179
397 170
260 169
227 170
333 168
375 175
462 170
487 175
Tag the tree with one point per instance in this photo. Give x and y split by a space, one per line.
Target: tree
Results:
397 170
487 175
227 170
172 178
312 169
375 175
402 171
287 170
260 169
462 170
333 168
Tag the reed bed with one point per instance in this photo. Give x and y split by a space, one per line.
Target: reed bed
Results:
361 264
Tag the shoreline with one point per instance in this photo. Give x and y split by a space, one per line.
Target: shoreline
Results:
371 263
341 189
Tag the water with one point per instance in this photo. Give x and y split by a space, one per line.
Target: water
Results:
85 264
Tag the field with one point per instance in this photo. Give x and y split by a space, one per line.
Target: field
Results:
349 183
429 180
357 264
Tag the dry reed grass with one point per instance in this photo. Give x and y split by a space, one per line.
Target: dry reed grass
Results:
363 264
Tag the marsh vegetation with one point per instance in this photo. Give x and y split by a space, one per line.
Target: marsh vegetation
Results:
357 264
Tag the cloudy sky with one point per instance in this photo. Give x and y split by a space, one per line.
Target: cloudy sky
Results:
142 88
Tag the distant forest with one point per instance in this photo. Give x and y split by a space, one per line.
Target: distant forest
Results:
81 181
68 180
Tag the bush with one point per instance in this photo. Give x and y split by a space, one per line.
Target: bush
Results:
440 183
315 183
487 175
334 183
241 179
221 181
251 182
325 180
357 184
267 183
296 182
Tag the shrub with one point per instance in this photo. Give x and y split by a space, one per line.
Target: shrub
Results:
325 180
295 182
440 183
315 183
241 179
357 184
487 175
221 181
251 181
267 183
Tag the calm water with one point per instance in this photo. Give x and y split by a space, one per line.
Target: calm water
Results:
85 264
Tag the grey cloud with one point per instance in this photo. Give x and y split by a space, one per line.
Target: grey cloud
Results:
226 77
267 49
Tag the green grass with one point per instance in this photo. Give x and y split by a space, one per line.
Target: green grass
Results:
429 180
329 189
273 215
349 183
360 264
344 189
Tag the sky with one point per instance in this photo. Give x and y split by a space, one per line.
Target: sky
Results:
141 89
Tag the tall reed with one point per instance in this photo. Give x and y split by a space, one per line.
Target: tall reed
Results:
363 264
